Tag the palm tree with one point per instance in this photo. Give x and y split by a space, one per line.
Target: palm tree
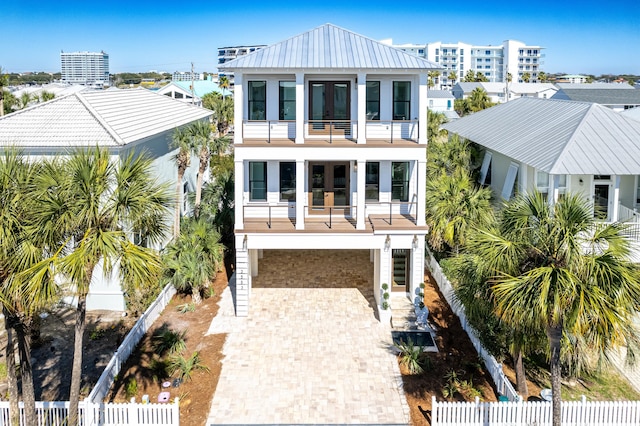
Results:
4 81
46 96
200 133
526 77
434 122
100 203
542 76
222 111
479 100
455 206
572 277
194 258
452 77
183 141
223 84
25 98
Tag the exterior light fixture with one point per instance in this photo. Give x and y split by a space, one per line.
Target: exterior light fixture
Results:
414 243
244 242
387 242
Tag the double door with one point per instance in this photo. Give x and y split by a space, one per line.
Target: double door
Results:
329 186
329 107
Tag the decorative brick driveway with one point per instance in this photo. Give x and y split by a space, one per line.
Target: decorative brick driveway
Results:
311 350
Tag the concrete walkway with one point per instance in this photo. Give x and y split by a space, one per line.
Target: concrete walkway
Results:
311 350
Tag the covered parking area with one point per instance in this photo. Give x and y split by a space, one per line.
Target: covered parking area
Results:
311 350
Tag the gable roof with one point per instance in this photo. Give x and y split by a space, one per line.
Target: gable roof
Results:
439 94
329 46
513 87
557 137
96 117
622 95
200 87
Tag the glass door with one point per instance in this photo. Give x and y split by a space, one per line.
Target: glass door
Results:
400 270
318 193
601 202
329 183
329 107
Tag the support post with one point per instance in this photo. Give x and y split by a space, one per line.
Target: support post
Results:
299 107
360 193
362 108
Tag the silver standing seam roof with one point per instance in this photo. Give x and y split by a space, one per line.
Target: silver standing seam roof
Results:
329 46
556 136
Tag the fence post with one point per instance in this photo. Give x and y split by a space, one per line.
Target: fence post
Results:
89 413
434 411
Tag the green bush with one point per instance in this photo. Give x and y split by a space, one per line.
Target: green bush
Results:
131 388
410 356
186 366
165 341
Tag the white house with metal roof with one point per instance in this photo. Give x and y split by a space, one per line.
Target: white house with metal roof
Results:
330 154
557 147
496 91
121 120
192 91
443 101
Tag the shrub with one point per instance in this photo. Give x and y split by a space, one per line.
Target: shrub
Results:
186 366
410 356
131 388
187 307
168 341
159 370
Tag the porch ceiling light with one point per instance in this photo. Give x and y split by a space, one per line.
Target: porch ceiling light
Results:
244 242
387 242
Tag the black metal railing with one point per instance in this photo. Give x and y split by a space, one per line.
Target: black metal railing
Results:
258 133
320 211
399 209
332 128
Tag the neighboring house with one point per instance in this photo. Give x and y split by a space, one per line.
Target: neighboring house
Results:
122 120
496 91
191 92
442 101
186 76
573 79
557 147
330 153
617 96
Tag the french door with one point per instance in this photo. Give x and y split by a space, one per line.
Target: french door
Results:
328 185
329 107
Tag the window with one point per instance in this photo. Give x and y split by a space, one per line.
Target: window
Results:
401 100
542 181
437 51
258 181
400 181
437 59
287 100
420 51
257 100
372 182
485 170
373 100
287 181
461 51
487 52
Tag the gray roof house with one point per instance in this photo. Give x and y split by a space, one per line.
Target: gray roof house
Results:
121 120
559 146
617 96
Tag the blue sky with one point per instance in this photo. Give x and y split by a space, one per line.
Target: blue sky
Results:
579 36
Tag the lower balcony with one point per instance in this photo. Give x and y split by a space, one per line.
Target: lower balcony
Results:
382 217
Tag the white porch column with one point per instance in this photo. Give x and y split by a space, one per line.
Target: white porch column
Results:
376 275
299 107
554 191
615 210
422 109
421 186
238 104
360 193
239 194
253 257
362 109
417 267
300 194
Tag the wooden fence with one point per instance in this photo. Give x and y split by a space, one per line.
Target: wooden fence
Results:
538 413
503 385
56 413
129 343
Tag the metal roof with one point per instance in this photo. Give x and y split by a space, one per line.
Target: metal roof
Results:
589 86
604 96
513 87
96 117
557 137
329 47
632 113
439 94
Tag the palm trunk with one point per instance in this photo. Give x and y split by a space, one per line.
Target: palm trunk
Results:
195 295
12 379
521 378
26 371
204 159
176 221
554 334
76 369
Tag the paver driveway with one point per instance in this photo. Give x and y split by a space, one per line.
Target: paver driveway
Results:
311 349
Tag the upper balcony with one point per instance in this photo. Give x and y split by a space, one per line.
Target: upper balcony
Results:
312 109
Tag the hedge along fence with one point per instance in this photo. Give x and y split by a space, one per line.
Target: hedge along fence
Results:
503 385
129 343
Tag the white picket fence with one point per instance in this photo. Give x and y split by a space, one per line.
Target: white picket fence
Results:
56 413
538 413
130 342
503 385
